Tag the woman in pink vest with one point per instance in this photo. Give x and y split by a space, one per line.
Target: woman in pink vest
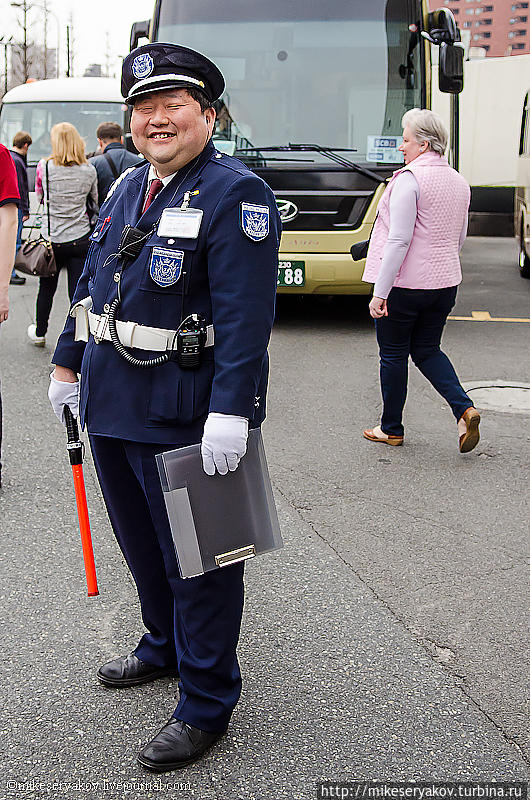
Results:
413 260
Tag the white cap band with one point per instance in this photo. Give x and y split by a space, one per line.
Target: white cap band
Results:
161 78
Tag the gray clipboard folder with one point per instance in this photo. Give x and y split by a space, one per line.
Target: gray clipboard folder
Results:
217 520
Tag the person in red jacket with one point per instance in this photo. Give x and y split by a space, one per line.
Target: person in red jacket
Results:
9 201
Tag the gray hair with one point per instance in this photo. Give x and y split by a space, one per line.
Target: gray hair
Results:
427 126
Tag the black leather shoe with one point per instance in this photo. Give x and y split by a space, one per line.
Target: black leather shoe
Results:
17 280
177 745
130 671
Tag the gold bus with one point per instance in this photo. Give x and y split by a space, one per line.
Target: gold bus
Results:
314 100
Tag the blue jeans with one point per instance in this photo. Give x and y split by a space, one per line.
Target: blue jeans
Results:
414 326
67 254
19 238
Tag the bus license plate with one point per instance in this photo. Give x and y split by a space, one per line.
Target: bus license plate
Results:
291 273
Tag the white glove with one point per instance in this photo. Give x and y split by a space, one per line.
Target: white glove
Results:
63 394
224 442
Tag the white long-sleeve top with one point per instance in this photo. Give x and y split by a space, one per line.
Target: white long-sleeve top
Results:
403 210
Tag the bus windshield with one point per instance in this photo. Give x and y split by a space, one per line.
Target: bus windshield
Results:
38 118
339 74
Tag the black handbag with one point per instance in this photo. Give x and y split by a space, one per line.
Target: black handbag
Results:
36 256
359 250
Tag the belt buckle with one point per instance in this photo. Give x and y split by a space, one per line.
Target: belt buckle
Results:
101 328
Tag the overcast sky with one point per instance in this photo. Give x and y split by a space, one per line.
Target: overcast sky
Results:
92 22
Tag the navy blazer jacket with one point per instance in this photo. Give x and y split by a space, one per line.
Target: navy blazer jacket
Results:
122 160
227 276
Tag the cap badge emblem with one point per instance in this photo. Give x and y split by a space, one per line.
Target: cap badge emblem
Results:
142 66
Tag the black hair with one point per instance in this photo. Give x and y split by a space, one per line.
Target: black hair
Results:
200 97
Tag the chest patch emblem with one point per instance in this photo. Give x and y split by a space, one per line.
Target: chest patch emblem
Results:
166 266
142 66
254 221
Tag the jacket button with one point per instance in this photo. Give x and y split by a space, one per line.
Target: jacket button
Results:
106 308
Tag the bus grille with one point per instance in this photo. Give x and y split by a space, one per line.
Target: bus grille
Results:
332 209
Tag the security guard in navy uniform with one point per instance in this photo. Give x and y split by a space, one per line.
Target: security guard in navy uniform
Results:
186 241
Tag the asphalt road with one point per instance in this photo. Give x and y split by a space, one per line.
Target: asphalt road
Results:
388 640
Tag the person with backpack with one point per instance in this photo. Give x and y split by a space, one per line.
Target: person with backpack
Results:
114 158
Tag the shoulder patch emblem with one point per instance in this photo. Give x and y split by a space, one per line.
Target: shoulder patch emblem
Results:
166 266
254 221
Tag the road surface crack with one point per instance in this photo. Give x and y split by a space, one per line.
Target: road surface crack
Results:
427 645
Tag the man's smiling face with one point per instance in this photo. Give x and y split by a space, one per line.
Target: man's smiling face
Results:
170 129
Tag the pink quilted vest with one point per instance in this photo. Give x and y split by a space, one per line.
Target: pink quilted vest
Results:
432 260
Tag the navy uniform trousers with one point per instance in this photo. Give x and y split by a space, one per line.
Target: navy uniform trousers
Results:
192 623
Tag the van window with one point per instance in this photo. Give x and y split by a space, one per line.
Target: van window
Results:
39 117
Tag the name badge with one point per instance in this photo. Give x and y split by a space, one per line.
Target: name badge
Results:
180 223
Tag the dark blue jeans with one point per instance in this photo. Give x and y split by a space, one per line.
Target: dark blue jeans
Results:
414 326
67 254
19 238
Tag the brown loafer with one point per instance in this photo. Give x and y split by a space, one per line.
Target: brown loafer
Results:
470 438
377 435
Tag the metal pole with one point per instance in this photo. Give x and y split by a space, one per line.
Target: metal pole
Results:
26 63
45 9
5 67
455 129
57 54
67 51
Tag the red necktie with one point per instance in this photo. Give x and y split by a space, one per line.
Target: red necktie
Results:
155 187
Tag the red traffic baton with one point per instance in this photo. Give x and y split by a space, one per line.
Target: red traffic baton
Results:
75 452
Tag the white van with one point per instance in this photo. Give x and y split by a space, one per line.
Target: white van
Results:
35 107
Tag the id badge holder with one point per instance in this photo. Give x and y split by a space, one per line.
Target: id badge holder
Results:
180 223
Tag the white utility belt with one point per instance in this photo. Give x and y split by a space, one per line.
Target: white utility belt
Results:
131 334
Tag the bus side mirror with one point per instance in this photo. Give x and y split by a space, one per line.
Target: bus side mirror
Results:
442 27
139 30
451 68
443 32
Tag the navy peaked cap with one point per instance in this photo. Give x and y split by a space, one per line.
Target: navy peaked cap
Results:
158 66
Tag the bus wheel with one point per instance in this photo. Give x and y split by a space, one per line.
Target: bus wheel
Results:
524 261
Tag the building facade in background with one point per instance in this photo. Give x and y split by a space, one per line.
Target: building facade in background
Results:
500 27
